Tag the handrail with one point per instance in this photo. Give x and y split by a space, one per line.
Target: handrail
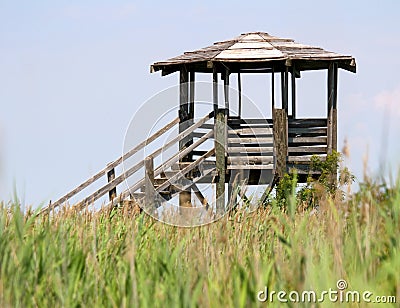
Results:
118 180
110 166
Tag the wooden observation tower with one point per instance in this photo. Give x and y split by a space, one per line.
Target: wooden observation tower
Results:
259 150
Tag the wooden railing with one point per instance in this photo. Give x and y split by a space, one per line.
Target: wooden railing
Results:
109 170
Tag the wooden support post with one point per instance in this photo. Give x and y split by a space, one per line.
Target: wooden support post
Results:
284 88
113 192
184 196
220 135
226 89
280 130
293 93
191 111
332 113
273 89
183 105
240 96
191 94
332 107
149 184
215 89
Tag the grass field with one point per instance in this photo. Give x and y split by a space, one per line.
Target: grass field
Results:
120 260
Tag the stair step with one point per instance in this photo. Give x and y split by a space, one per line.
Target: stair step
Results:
180 165
160 181
138 195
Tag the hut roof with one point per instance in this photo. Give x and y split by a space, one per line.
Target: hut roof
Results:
255 50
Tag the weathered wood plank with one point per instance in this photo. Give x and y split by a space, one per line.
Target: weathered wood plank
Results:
307 123
256 140
308 131
304 158
250 121
303 140
207 126
251 167
251 131
250 159
307 149
246 150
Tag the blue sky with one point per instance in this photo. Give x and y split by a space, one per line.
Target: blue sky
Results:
73 73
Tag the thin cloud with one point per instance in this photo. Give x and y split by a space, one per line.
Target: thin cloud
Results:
389 101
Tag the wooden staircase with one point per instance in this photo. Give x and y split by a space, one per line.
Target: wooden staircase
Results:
158 183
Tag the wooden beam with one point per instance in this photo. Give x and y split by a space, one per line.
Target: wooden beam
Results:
280 141
220 157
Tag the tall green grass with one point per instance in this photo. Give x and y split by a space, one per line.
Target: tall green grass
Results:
116 259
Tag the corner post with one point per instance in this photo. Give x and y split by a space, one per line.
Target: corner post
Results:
332 107
220 132
332 114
